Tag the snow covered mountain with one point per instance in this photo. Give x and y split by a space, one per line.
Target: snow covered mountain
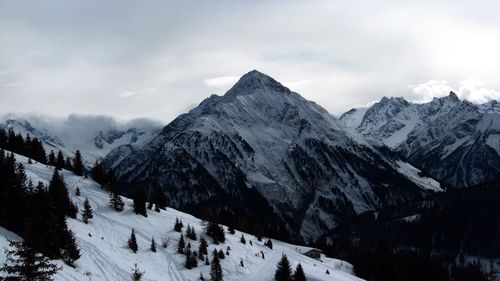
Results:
454 141
94 136
105 255
261 150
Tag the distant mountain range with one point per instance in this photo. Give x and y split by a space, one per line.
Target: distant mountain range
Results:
262 157
454 141
94 136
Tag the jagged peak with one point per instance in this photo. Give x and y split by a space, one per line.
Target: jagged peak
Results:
393 100
255 80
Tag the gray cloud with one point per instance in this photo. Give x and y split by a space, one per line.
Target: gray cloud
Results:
156 58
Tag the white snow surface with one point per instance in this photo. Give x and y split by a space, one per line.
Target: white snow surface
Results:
413 174
104 251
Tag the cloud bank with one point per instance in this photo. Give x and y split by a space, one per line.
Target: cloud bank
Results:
94 57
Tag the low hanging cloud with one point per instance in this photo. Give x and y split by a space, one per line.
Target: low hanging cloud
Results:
471 89
222 82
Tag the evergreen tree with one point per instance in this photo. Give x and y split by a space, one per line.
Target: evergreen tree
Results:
153 245
221 255
68 165
215 231
242 239
157 208
77 192
115 200
283 270
178 225
78 164
269 244
241 263
299 274
132 242
230 229
70 252
137 273
215 268
159 199
60 163
87 211
25 263
191 233
181 245
194 259
140 202
187 264
59 194
52 158
203 247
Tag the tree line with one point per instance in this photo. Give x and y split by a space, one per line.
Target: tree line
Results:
37 212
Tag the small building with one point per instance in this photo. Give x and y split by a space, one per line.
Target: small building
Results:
314 253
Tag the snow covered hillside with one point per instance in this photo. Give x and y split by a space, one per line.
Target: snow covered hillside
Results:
94 136
105 255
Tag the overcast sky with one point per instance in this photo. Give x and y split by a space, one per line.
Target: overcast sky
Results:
158 59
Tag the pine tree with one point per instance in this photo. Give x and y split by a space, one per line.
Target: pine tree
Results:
159 199
59 194
140 203
221 255
87 211
70 252
132 242
203 248
77 192
242 239
299 274
269 244
187 252
181 245
327 271
241 263
194 259
230 229
283 270
68 165
190 233
24 263
137 273
215 269
60 163
78 164
115 200
215 231
178 225
153 245
52 158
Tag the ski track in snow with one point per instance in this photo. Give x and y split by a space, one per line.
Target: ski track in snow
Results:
106 256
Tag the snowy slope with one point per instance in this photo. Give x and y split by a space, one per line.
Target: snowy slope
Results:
94 136
261 137
106 256
454 141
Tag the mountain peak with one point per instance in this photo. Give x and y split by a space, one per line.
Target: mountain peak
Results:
253 81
